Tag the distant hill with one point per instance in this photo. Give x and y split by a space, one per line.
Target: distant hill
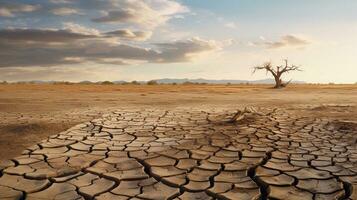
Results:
169 81
36 82
209 81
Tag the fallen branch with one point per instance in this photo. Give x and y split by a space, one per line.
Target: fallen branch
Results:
241 114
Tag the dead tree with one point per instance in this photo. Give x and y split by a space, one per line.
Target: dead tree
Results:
278 71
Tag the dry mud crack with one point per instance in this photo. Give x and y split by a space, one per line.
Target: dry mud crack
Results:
188 154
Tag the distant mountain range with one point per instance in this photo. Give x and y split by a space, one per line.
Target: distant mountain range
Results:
173 80
209 81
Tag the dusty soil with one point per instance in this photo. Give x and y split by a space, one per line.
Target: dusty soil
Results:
30 113
176 142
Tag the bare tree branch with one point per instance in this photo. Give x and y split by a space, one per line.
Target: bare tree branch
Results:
267 66
241 114
278 71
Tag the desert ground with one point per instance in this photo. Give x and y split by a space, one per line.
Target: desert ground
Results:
304 146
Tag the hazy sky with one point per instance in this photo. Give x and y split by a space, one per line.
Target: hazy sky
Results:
76 40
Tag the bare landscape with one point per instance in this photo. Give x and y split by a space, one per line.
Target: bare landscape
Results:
178 100
34 112
35 119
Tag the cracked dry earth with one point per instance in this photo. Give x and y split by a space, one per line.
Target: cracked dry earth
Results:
188 154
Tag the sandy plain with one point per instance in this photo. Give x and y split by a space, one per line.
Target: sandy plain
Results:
174 142
32 112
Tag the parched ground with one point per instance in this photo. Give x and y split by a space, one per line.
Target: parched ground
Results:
174 142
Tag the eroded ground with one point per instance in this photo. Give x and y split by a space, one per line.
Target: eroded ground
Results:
190 154
156 144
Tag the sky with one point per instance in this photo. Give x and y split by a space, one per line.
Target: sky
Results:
97 40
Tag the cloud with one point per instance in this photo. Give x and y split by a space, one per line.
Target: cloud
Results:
183 51
130 35
77 28
287 41
70 33
146 13
40 35
65 11
9 9
81 51
51 47
61 1
74 44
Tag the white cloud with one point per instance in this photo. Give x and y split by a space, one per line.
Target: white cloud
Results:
10 9
76 28
124 34
146 13
130 35
61 1
283 42
5 12
287 41
76 45
186 50
65 11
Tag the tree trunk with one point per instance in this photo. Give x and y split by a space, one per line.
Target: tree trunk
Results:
278 82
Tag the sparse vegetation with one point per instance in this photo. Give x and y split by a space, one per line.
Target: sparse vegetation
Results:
86 83
58 83
135 83
187 83
152 82
107 83
278 71
193 83
124 83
